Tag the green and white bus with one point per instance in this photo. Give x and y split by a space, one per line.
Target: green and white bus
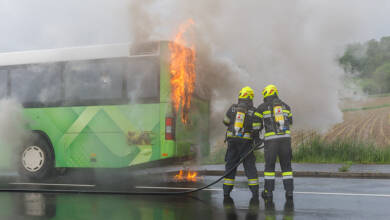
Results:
100 107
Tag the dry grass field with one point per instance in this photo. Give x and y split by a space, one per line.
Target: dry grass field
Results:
370 125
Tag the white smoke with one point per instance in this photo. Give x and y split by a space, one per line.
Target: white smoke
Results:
13 130
12 127
293 45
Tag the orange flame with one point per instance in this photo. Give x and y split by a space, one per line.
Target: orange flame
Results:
191 176
179 176
182 69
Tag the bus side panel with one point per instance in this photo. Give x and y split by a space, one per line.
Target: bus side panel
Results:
100 136
54 122
141 127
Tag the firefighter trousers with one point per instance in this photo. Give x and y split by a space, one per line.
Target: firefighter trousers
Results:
238 148
281 148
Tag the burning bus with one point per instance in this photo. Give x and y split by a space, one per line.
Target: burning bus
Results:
106 106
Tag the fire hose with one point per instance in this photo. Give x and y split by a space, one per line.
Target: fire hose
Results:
255 147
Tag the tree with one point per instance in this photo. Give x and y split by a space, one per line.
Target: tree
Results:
351 61
381 76
370 64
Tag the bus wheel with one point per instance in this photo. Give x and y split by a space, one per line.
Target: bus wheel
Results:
36 160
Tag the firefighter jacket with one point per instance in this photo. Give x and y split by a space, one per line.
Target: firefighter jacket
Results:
251 123
276 118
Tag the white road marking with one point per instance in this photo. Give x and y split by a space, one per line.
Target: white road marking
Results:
174 188
208 189
313 193
53 184
344 194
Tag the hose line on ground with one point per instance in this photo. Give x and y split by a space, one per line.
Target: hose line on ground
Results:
137 193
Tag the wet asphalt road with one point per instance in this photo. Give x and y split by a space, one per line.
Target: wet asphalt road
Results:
315 198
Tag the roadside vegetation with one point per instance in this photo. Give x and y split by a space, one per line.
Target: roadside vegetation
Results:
319 150
345 167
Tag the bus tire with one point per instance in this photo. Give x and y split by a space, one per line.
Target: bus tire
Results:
36 159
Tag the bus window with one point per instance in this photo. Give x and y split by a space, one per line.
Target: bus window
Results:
38 84
3 83
143 78
96 81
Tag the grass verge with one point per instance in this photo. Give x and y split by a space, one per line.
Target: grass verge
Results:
318 150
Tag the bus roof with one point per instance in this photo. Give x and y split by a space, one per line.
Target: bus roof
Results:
65 54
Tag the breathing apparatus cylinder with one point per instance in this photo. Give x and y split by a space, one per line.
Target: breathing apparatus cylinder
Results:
279 118
239 124
239 121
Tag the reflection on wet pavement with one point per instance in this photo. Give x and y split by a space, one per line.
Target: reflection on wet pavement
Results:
314 198
83 206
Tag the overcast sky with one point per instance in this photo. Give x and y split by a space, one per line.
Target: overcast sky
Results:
29 24
36 24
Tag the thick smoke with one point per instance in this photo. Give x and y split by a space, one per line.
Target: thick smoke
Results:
13 131
142 21
293 45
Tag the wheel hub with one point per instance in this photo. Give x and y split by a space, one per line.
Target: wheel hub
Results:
33 158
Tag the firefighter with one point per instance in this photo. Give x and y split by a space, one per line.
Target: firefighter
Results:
276 119
243 127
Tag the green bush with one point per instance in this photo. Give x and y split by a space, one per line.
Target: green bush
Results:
345 167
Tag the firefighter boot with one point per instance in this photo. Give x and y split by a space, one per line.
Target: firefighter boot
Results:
226 190
269 186
255 191
267 195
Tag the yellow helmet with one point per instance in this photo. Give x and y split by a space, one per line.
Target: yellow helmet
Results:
270 90
246 92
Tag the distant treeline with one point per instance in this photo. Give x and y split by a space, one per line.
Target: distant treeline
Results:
369 64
